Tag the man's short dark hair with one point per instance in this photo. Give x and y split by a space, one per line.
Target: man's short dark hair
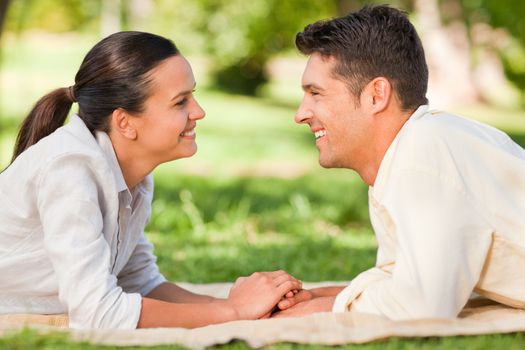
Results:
372 42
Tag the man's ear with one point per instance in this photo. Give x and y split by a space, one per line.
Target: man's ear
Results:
122 124
379 93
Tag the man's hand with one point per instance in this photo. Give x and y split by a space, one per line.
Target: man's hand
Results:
308 294
320 304
301 296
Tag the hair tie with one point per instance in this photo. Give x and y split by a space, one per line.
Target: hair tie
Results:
70 92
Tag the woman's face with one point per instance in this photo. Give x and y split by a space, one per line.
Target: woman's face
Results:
166 127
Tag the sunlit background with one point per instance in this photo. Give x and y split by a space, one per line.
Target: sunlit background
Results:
254 197
254 190
248 72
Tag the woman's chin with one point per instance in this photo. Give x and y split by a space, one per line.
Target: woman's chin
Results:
186 154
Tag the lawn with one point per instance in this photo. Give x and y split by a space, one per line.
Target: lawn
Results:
253 198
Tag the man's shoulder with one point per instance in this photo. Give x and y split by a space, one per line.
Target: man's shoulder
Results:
443 127
439 140
439 122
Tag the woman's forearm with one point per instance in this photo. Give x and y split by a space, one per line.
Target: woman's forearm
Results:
250 298
158 313
172 293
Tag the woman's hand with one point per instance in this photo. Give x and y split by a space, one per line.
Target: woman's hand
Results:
256 296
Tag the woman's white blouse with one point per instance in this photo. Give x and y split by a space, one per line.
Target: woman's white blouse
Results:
72 234
448 211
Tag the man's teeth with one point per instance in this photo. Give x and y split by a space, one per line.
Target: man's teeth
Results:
188 133
319 134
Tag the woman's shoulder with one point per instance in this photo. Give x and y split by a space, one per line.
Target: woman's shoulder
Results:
59 150
60 144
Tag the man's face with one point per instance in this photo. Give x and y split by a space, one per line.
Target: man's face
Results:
341 127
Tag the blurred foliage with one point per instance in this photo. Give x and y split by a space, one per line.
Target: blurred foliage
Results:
498 14
243 35
52 15
509 14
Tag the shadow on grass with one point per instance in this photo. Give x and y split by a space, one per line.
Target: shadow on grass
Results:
519 138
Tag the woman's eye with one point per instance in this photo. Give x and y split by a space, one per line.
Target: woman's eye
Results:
182 102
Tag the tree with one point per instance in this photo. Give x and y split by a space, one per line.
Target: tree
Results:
52 15
448 53
242 36
4 4
502 27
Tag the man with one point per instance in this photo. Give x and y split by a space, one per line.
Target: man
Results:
447 195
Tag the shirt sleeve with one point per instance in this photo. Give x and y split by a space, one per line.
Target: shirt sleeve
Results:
442 246
69 202
141 273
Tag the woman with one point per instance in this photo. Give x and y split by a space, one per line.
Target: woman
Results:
75 199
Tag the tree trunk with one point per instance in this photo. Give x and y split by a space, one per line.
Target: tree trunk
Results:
344 7
110 18
448 54
4 4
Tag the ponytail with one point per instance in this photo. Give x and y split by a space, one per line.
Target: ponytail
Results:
48 114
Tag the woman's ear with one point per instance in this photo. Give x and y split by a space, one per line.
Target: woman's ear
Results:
122 124
379 92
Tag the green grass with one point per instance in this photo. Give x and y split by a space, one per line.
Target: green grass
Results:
253 198
213 230
29 339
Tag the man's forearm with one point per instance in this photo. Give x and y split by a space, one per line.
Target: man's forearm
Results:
326 291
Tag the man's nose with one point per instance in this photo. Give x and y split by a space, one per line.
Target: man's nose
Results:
303 114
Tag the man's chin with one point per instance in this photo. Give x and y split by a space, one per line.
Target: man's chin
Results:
330 163
325 163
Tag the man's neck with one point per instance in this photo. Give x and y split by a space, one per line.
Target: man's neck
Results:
389 123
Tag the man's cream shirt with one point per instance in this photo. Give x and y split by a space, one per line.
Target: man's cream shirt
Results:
448 211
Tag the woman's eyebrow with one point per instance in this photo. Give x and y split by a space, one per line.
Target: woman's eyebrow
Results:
185 92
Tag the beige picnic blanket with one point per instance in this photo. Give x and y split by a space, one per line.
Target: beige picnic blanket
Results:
478 317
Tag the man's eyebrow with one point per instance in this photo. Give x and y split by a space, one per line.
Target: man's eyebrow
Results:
186 92
308 87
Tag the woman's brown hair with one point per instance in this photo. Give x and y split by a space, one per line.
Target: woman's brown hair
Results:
114 74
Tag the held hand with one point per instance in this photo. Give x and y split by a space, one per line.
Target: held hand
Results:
320 304
291 300
256 296
308 294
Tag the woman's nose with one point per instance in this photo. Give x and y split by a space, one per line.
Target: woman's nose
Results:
197 112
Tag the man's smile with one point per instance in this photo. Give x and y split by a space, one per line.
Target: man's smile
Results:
319 133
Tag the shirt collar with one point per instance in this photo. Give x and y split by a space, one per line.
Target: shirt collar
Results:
105 144
386 163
